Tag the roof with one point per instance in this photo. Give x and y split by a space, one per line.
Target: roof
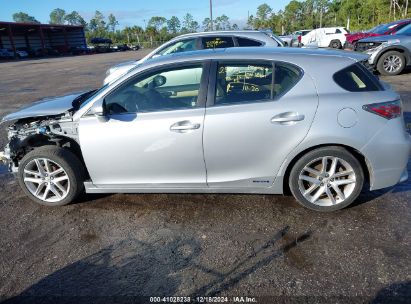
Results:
239 32
259 52
29 24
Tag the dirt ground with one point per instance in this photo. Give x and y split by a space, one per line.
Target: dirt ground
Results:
114 248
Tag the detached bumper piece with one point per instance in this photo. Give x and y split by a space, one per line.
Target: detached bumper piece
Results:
3 159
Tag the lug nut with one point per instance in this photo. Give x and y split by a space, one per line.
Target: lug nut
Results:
329 185
320 178
321 184
332 179
326 175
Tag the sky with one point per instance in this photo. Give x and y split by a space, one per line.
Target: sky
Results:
138 12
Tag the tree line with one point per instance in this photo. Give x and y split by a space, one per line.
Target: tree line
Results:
310 14
303 14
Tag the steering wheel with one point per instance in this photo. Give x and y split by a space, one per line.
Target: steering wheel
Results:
133 100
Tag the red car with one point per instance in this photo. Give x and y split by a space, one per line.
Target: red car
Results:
382 29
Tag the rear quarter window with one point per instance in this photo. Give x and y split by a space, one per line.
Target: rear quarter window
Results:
356 78
244 42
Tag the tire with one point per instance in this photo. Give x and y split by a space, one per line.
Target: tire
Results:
68 183
349 185
398 63
335 44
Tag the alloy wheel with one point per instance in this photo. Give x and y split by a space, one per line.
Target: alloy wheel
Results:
392 63
46 180
327 181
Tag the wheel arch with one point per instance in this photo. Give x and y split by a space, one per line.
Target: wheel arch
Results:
31 142
357 154
400 49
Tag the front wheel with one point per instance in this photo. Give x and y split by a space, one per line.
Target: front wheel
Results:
51 176
391 63
326 179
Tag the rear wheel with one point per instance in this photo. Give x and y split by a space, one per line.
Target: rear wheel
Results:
51 176
335 44
391 63
326 179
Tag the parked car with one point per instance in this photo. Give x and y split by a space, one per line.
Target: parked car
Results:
382 29
287 39
79 50
238 120
6 54
21 54
388 54
200 41
30 52
296 37
333 37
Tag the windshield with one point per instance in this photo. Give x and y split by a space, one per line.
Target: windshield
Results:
405 30
381 29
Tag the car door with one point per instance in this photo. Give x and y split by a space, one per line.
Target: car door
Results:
151 134
253 121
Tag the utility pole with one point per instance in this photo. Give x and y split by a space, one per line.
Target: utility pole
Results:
211 14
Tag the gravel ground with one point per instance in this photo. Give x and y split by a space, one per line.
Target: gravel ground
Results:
115 247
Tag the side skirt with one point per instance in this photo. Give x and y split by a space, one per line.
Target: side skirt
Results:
91 188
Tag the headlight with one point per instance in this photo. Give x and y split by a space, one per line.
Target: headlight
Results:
383 45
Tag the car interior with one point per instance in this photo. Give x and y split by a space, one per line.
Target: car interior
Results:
166 90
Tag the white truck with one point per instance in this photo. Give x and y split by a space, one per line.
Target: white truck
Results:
333 37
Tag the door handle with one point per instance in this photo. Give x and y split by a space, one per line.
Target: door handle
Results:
184 126
287 118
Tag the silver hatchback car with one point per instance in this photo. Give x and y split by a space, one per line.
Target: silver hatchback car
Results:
200 41
239 120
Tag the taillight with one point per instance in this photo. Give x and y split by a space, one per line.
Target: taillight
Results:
299 38
388 110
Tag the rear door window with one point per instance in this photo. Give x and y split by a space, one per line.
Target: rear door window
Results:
217 42
253 82
356 78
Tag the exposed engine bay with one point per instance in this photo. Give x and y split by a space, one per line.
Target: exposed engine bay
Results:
28 133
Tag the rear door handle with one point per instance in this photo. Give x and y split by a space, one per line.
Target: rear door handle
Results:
287 118
184 126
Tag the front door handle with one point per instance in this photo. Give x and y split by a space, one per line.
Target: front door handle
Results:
184 126
287 118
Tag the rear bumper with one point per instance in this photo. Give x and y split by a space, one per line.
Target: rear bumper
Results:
387 154
404 176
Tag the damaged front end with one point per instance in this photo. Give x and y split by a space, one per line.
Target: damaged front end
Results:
28 133
46 122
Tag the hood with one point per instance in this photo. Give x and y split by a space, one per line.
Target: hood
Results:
44 107
129 64
357 36
380 38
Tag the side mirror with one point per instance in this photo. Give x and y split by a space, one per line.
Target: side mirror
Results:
98 110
